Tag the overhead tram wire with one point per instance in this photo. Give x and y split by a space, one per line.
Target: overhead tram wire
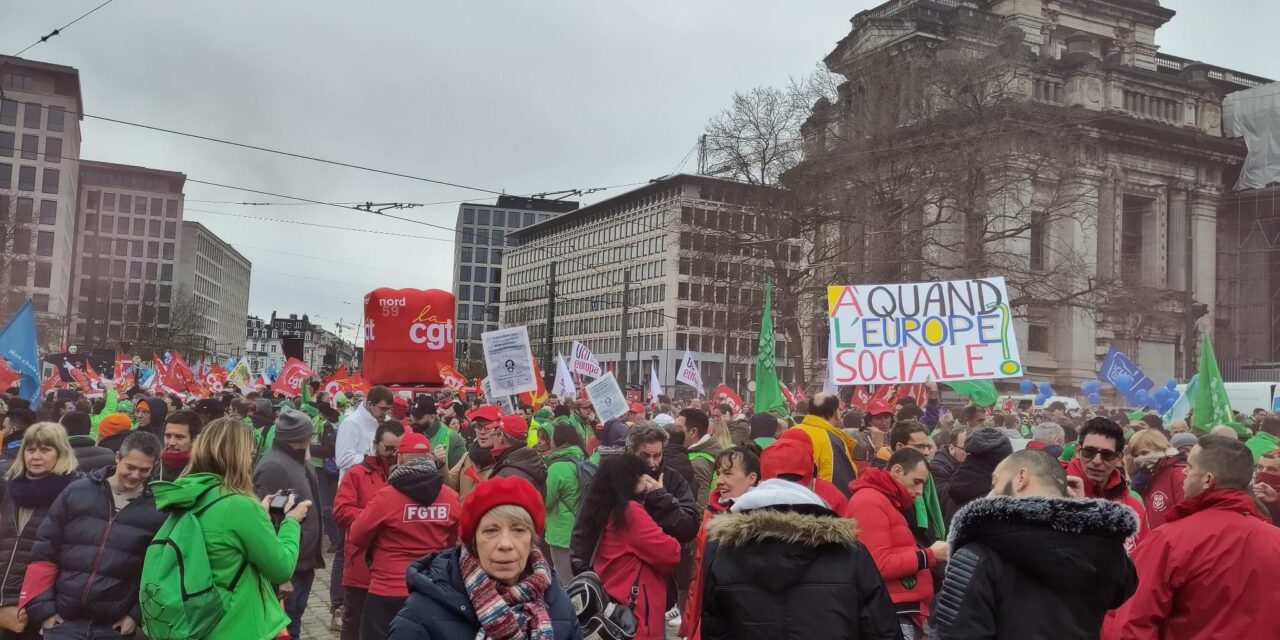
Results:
51 34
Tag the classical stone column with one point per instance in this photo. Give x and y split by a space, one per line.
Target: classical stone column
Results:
1177 222
1204 254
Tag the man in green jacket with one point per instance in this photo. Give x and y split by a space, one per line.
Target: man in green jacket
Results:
446 443
584 419
563 490
1267 439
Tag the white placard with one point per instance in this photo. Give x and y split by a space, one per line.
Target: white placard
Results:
502 402
509 361
606 396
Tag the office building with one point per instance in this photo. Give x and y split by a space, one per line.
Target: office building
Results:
217 276
39 150
694 281
480 239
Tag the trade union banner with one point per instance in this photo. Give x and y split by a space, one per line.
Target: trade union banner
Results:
940 331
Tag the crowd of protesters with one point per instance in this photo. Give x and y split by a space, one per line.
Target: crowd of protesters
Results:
440 518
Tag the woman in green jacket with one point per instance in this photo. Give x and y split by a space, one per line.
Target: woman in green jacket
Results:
563 492
238 533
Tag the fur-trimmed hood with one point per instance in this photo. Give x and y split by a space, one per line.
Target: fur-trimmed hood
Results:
1074 542
773 525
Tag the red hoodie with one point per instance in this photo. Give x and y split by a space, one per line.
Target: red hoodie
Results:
355 491
877 503
412 516
641 552
1114 489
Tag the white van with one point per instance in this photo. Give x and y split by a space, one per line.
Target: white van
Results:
1072 404
1247 396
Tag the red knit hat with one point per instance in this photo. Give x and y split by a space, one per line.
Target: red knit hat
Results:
515 427
414 442
787 456
496 492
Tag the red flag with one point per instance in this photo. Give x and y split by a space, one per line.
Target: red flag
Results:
537 397
913 391
54 381
726 395
81 379
93 375
124 365
786 395
860 397
479 389
451 378
289 382
357 383
163 379
38 579
7 375
179 372
885 392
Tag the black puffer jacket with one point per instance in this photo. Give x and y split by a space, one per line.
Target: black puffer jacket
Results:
99 553
984 449
1035 568
521 461
89 456
672 507
773 575
15 546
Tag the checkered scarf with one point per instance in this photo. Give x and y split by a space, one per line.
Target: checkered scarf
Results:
509 612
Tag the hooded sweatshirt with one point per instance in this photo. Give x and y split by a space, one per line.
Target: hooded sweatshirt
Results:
985 448
158 410
415 514
563 493
878 504
1116 490
238 533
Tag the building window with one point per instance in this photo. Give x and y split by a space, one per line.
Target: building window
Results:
482 255
154 230
31 117
108 202
482 274
140 206
53 149
126 203
528 219
168 251
18 272
122 225
135 290
166 272
95 198
135 269
170 230
6 144
157 207
170 208
51 179
1038 237
57 115
139 226
24 209
483 218
41 302
26 178
44 243
30 147
8 112
153 250
477 294
464 274
1038 338
6 176
464 312
48 212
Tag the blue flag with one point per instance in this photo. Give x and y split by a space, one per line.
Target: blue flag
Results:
18 346
1117 364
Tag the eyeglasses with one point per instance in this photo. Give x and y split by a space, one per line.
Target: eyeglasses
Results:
381 407
1089 453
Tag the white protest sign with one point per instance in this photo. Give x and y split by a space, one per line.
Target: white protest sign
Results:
584 362
606 396
509 361
501 401
689 373
909 333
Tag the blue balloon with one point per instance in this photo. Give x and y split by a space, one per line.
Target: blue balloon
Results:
1094 398
1171 384
1027 386
1124 382
1041 400
1045 389
1090 387
1141 398
1160 395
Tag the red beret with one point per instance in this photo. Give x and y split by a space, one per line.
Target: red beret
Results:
486 413
787 457
414 442
515 427
496 492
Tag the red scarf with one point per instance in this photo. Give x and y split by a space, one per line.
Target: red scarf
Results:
175 459
1223 499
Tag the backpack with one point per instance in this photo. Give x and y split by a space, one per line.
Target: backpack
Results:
586 471
178 596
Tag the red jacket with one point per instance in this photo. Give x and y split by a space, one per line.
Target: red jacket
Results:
1114 489
1164 490
1209 573
831 495
877 503
355 491
412 516
691 617
639 551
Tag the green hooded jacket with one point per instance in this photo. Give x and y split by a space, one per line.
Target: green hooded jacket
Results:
110 400
1262 443
237 530
563 493
585 430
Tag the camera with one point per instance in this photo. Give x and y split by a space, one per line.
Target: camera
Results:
278 503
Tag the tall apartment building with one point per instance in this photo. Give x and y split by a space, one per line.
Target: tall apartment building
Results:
694 283
217 276
481 237
39 151
127 252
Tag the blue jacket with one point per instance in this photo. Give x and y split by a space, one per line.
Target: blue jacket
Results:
439 608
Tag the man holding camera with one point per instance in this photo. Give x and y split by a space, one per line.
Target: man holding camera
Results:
284 468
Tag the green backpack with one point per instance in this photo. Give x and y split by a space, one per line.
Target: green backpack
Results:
178 596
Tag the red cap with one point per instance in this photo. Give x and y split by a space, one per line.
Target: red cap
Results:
636 407
878 406
414 442
1035 444
515 427
485 413
496 492
787 456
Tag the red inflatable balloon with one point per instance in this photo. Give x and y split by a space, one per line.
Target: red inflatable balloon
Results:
408 335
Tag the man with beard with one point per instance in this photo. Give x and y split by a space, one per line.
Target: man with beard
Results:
446 444
477 465
180 431
1030 562
1096 462
1210 571
512 455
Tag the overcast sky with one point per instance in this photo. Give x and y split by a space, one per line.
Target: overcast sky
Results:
504 95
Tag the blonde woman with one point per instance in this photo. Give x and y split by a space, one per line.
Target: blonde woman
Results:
1155 472
246 553
43 468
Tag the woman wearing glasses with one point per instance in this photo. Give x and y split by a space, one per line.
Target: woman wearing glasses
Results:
1097 465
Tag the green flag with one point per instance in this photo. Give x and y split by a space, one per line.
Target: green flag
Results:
981 392
768 391
1209 404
